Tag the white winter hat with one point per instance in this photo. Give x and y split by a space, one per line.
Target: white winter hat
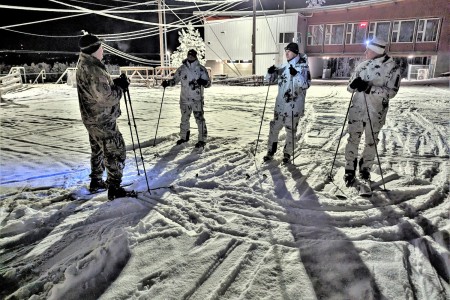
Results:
377 45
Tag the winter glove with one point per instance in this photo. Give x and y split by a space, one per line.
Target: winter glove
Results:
360 85
123 82
202 81
292 71
165 83
271 70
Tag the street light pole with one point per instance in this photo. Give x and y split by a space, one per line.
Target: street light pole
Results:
161 34
254 39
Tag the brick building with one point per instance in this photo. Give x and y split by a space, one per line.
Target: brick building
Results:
334 37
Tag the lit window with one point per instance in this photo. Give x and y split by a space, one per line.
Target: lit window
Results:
403 31
379 30
289 37
315 35
427 30
334 34
356 33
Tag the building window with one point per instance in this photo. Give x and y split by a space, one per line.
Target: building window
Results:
334 34
379 30
403 31
315 35
356 33
289 37
427 30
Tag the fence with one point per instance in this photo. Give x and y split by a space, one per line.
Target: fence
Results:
71 76
11 81
139 74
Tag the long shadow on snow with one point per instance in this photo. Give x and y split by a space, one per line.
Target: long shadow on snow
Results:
81 245
334 266
411 234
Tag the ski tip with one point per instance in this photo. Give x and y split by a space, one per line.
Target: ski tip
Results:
366 195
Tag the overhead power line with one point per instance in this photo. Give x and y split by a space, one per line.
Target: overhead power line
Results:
59 10
137 34
66 17
101 13
145 33
128 56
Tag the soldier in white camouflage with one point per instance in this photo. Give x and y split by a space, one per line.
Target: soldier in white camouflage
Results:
293 79
375 81
194 79
99 98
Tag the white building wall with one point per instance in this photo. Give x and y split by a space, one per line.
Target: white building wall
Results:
268 49
228 40
231 39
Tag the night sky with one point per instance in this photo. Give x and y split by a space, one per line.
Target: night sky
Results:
100 25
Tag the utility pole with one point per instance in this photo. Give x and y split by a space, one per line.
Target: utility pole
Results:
165 33
161 33
254 39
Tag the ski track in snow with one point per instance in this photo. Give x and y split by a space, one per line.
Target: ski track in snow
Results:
232 227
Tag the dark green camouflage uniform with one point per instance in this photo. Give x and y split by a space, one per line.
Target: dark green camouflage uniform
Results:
99 101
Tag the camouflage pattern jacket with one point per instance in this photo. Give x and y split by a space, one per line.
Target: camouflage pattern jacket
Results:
383 75
188 73
97 94
292 89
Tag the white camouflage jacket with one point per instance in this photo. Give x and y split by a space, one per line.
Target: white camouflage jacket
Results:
292 89
188 73
383 75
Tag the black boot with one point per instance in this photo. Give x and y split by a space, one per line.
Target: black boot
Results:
271 153
286 158
349 177
364 172
96 185
181 141
268 156
200 144
116 191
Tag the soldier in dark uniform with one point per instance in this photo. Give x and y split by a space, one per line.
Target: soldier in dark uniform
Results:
99 98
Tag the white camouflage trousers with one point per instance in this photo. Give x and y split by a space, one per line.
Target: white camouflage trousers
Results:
356 127
279 121
186 111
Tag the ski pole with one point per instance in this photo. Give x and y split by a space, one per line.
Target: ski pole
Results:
262 119
137 137
203 119
374 141
159 117
330 176
131 131
292 118
293 135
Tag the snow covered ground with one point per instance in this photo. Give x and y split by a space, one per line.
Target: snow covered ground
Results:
231 227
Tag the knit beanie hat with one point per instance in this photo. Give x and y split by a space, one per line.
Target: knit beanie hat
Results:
293 47
192 52
377 45
89 43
